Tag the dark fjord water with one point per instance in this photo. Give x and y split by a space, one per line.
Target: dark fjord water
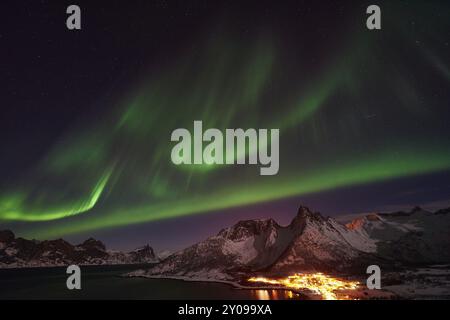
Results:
105 282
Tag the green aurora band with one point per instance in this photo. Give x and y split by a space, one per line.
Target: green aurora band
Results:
118 171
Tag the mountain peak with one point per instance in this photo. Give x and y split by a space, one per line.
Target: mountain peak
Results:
416 209
143 254
303 210
19 252
304 214
94 244
359 222
310 243
146 248
245 228
6 236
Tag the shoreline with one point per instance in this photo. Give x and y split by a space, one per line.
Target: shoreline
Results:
66 265
234 284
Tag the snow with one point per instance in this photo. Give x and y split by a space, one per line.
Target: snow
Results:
244 249
11 251
357 238
404 227
206 276
164 254
272 238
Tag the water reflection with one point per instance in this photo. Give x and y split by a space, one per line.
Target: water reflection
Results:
263 294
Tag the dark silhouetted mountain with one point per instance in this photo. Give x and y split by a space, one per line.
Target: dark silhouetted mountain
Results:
19 252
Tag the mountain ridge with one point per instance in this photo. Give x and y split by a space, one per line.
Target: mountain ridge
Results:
312 242
20 252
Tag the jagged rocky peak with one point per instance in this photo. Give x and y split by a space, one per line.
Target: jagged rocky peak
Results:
55 245
416 209
143 254
419 210
304 211
92 243
373 217
247 228
311 242
304 214
19 252
360 222
6 236
146 250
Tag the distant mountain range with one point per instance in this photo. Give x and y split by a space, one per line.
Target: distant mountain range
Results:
19 252
312 242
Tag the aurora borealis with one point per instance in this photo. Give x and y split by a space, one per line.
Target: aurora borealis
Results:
354 107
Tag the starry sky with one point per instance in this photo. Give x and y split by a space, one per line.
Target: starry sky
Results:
86 116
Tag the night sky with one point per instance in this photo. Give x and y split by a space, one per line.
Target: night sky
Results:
86 116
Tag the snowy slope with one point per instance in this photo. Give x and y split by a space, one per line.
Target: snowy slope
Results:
248 245
308 242
313 242
415 237
322 244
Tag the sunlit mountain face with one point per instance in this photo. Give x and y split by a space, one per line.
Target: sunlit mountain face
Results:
88 120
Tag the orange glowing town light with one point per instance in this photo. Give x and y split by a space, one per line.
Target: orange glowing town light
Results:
319 283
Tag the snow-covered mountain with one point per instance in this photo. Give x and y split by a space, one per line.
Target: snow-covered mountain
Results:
248 245
313 242
321 243
310 242
19 252
415 237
